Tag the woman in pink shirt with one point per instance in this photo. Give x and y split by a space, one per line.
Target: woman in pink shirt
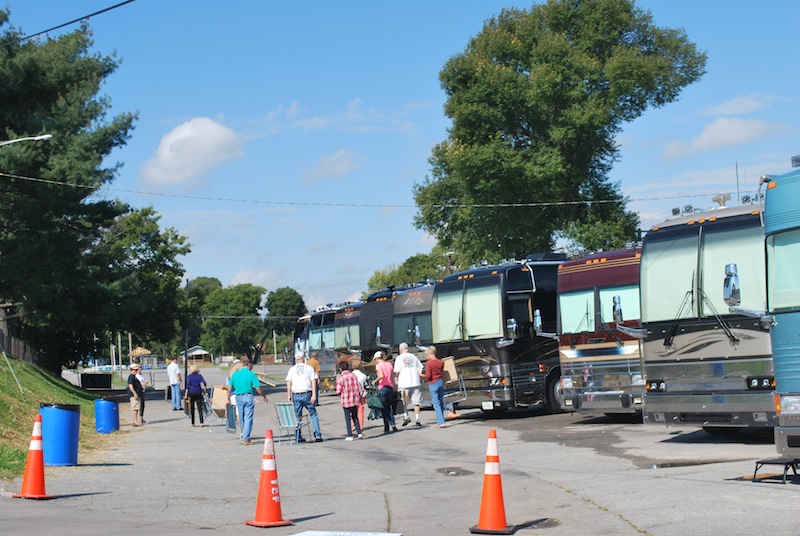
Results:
385 384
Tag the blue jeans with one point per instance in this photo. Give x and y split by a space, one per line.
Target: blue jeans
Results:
437 396
351 414
246 404
301 401
175 395
387 396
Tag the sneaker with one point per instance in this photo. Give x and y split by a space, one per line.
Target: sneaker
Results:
419 424
406 421
301 440
318 440
348 438
247 442
361 436
394 428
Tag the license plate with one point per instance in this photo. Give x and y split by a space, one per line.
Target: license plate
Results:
487 406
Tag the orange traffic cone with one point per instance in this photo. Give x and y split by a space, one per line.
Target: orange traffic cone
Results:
33 480
492 519
268 502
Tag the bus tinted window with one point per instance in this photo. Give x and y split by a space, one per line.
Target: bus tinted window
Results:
482 310
746 249
629 298
668 273
447 311
783 277
577 311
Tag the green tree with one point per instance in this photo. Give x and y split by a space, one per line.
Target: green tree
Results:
71 260
232 323
286 304
536 100
415 268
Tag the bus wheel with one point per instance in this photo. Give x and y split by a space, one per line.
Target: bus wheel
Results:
722 431
554 395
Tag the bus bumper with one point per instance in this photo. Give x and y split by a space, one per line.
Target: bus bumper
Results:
617 401
752 410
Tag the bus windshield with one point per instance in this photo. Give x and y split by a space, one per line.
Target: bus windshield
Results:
746 246
783 277
668 271
577 311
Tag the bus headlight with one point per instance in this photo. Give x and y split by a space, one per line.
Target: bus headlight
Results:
656 386
760 383
789 404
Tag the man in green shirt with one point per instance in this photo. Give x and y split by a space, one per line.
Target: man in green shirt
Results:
243 382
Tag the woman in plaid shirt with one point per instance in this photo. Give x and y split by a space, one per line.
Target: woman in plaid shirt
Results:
350 394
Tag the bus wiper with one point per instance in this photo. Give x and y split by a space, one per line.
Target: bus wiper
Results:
673 329
722 324
611 332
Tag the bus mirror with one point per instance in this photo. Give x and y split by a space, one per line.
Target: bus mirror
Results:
378 335
512 329
617 301
347 338
730 287
417 335
538 328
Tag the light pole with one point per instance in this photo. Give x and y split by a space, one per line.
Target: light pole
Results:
29 138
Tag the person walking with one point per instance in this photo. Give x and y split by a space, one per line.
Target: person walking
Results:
174 376
194 392
243 382
385 384
362 380
408 372
136 394
434 374
143 398
313 362
301 390
351 393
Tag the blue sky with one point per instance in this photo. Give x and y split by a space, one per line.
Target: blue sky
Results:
284 138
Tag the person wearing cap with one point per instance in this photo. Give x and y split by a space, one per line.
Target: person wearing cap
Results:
385 384
243 382
301 390
136 394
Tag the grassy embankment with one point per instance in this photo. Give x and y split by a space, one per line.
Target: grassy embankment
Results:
18 411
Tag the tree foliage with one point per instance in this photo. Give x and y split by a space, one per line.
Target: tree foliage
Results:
232 323
285 303
536 100
76 264
418 267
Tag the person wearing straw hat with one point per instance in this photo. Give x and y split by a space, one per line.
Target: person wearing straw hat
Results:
136 394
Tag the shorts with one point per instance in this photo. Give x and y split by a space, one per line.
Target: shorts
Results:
414 395
135 404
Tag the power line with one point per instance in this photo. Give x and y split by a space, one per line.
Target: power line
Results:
358 205
87 17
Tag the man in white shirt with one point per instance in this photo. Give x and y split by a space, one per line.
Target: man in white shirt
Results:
407 371
301 390
174 374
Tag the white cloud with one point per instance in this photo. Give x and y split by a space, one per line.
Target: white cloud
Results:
739 105
333 166
269 279
723 132
190 151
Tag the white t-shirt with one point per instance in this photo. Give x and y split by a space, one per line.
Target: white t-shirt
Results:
302 377
362 378
173 371
407 367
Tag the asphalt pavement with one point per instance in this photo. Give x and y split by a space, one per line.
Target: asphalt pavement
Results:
560 476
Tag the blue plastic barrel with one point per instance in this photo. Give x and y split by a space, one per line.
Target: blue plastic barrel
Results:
61 425
106 413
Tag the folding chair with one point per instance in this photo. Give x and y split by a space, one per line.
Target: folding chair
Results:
288 421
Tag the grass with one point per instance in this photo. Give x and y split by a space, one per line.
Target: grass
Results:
18 411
